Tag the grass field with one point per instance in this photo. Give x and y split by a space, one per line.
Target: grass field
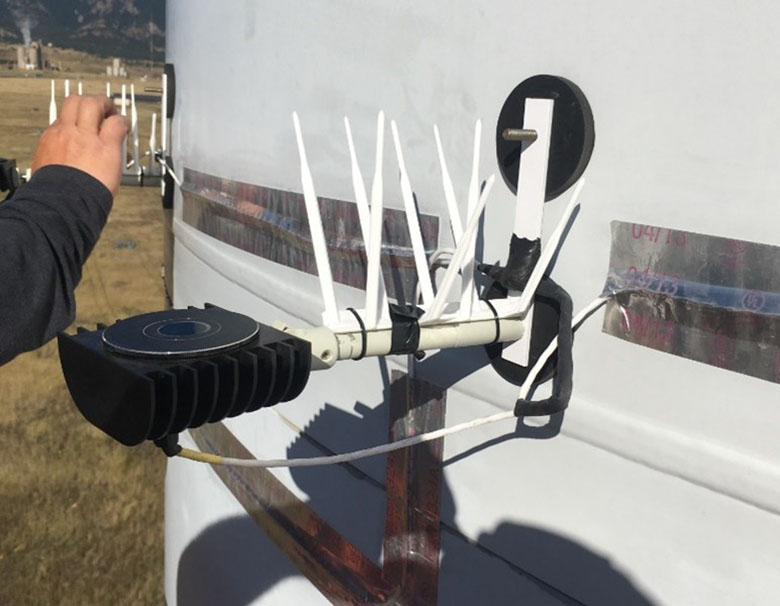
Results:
81 517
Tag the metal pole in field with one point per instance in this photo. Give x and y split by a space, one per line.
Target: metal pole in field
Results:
52 105
123 111
153 144
134 131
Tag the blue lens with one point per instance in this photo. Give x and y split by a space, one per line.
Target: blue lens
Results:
183 328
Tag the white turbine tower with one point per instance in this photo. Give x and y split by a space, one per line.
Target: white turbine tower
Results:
52 105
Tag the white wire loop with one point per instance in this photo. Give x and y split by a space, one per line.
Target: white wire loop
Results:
406 442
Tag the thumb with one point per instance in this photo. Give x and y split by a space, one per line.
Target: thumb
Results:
113 130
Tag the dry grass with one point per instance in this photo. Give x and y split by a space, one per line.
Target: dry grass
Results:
81 517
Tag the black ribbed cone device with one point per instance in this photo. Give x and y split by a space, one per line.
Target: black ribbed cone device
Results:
156 374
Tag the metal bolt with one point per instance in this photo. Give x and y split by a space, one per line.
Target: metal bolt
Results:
519 134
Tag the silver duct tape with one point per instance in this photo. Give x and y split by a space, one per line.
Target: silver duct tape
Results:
709 299
272 224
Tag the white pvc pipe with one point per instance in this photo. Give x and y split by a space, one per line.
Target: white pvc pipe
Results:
406 442
67 88
81 89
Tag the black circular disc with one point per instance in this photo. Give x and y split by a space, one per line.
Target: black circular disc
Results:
572 138
180 333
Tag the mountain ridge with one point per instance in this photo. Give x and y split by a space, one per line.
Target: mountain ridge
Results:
134 29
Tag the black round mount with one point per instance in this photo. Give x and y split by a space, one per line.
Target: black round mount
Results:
572 137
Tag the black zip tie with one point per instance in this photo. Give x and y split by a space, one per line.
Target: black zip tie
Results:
496 320
363 333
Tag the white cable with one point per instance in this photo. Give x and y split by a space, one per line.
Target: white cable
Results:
525 389
424 437
435 256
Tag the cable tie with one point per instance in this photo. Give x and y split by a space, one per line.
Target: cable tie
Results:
363 333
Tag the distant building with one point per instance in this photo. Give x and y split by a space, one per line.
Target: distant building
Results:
29 57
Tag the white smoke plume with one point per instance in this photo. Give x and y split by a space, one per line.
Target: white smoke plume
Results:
21 11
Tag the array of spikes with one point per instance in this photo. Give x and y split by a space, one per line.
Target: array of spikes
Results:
135 162
434 305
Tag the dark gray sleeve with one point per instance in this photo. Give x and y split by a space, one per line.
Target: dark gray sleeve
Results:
47 230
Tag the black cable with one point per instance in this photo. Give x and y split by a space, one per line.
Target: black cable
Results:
564 370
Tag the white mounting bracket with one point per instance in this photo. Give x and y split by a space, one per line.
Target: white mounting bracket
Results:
531 188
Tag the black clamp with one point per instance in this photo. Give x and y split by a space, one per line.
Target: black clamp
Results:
552 318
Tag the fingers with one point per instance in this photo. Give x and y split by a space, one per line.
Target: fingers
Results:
70 110
113 130
92 111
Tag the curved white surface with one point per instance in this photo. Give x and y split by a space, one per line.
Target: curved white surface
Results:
667 467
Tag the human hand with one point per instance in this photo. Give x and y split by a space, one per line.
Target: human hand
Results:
87 135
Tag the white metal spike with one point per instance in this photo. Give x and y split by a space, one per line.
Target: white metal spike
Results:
134 131
374 254
67 88
461 255
330 316
468 289
418 247
524 300
449 191
52 105
364 214
81 89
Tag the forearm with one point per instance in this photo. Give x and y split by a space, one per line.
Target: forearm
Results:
47 231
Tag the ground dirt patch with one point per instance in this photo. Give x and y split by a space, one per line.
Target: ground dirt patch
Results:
81 517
